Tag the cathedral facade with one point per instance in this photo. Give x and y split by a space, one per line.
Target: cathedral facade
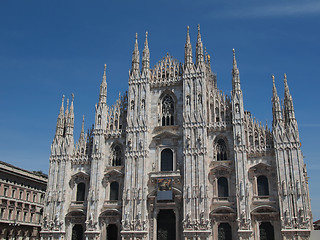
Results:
175 158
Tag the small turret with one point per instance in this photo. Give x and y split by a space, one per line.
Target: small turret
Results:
103 87
199 49
60 120
135 57
146 55
188 51
235 75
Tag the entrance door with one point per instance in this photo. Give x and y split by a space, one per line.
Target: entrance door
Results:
77 232
112 232
166 224
266 231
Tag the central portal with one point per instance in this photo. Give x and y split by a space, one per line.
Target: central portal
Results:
166 225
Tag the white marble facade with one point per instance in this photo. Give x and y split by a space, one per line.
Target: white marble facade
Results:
175 158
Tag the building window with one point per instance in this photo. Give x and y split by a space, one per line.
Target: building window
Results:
223 190
1 213
24 216
18 216
31 217
167 160
13 193
81 189
263 186
114 191
5 192
20 195
10 214
117 154
224 231
221 150
77 232
34 198
167 111
266 231
28 195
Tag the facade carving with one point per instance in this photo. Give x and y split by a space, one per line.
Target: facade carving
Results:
175 158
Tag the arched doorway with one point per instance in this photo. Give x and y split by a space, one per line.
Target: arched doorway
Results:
224 231
112 232
166 225
266 231
77 232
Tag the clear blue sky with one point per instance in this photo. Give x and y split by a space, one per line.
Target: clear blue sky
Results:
50 48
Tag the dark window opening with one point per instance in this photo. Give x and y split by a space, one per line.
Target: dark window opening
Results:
117 154
263 186
81 189
112 232
223 190
167 160
114 191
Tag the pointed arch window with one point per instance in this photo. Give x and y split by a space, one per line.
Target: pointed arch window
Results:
263 186
167 160
81 190
114 191
167 111
117 156
223 189
221 150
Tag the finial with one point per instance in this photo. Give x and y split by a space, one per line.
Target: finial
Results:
136 36
272 78
82 118
188 29
285 77
234 52
208 58
72 95
63 99
198 28
146 34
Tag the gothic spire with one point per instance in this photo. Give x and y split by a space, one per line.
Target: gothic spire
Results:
276 106
70 117
288 103
146 55
188 50
235 74
199 49
135 56
82 129
60 120
103 87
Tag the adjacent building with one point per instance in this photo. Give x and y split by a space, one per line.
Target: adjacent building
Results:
22 196
175 158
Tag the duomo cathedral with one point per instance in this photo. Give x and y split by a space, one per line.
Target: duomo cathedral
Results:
175 158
